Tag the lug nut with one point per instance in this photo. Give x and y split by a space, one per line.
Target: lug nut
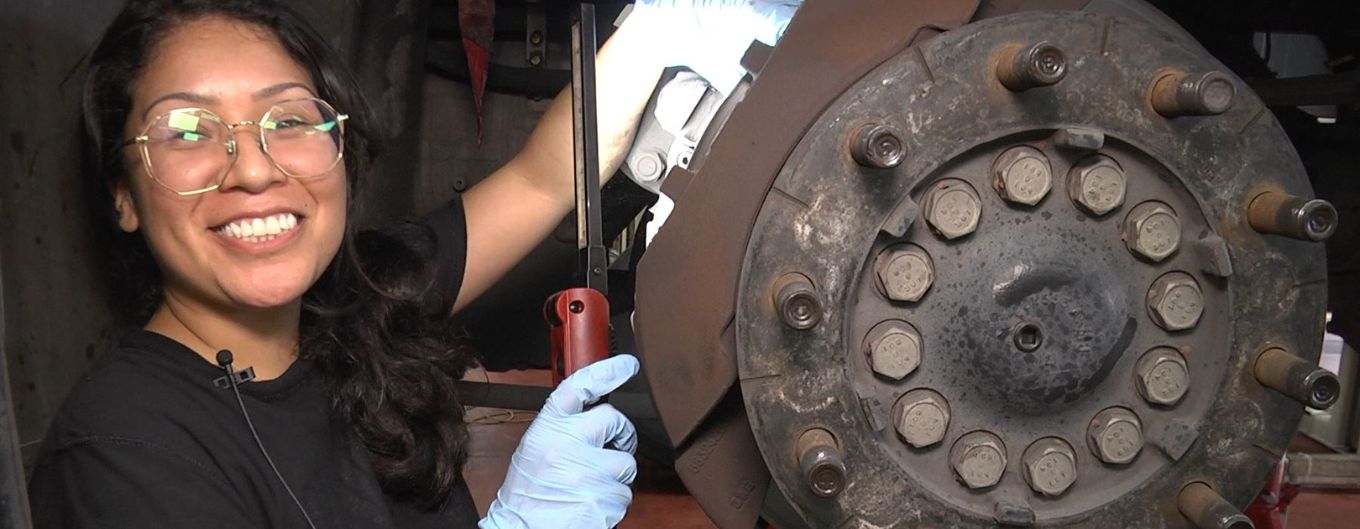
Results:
1050 466
797 301
952 208
1177 94
1303 381
979 459
820 460
1152 231
1207 510
921 417
1022 175
1023 68
1116 436
1162 376
1097 185
894 349
905 272
877 146
1291 216
1175 301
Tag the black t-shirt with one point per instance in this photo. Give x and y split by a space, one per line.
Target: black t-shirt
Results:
146 440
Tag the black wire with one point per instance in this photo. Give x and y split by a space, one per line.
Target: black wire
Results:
231 377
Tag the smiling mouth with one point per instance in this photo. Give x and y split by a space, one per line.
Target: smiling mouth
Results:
259 229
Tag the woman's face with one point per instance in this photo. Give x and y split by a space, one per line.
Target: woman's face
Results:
237 71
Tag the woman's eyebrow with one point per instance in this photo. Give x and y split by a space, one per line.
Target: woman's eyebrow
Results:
197 99
277 89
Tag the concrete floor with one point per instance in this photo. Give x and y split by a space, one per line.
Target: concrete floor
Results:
660 501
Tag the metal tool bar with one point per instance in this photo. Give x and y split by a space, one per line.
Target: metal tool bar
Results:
593 257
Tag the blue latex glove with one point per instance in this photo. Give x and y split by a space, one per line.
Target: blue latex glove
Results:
710 36
564 473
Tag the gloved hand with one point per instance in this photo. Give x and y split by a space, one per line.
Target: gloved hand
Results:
710 36
564 475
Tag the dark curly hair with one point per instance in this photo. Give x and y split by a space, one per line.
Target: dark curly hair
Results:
390 362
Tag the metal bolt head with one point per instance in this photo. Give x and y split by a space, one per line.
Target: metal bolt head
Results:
905 272
1050 466
895 349
953 208
921 417
1097 185
877 146
796 300
979 459
1022 175
1208 94
1152 231
1175 301
1162 376
1116 436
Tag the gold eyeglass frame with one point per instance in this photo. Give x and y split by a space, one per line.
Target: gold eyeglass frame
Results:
144 140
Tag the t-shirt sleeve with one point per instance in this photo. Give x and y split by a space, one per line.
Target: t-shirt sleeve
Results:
111 483
449 225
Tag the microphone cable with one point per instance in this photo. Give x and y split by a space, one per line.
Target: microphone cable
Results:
224 359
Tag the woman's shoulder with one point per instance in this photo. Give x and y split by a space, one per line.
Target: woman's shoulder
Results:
146 387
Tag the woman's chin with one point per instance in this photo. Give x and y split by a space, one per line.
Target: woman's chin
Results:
266 295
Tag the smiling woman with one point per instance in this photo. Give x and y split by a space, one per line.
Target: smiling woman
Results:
230 143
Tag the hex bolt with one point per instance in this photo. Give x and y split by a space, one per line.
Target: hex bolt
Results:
979 459
1050 466
921 417
1300 379
1207 510
877 146
1116 436
894 348
905 272
819 459
1033 66
1022 175
1175 301
1176 94
1152 231
952 208
1097 185
1291 216
648 166
797 301
1162 376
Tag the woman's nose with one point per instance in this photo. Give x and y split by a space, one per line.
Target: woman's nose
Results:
251 169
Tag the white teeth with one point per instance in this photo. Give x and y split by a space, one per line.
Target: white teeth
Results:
261 229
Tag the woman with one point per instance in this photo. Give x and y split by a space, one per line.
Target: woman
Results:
230 141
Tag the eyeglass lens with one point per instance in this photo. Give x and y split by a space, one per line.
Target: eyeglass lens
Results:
191 149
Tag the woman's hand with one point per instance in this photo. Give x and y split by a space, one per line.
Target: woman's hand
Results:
574 465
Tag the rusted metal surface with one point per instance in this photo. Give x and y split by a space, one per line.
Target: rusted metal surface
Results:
829 45
1094 301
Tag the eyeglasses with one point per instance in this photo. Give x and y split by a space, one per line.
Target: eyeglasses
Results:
183 149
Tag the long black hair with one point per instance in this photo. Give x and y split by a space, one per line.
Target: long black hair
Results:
390 362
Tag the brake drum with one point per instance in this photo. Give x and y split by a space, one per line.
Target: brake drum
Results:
1051 269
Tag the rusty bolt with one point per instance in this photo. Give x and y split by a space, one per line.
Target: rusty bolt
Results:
1116 436
1097 185
1162 377
1152 231
1177 94
1033 66
1022 175
797 301
979 459
894 349
1175 301
953 208
1050 466
921 417
877 146
819 459
905 272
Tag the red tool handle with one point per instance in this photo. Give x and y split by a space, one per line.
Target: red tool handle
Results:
578 325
